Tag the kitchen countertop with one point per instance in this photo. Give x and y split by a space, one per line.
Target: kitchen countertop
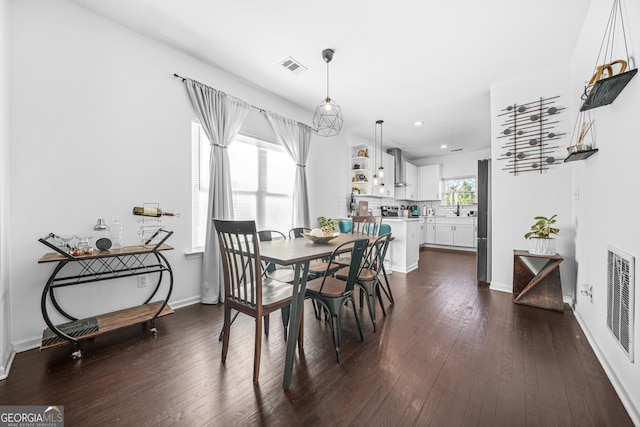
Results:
447 216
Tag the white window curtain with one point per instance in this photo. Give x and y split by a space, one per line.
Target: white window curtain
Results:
221 117
296 138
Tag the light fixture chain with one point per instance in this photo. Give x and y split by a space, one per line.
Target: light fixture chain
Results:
328 80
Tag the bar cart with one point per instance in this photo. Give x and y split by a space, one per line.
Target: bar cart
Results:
101 266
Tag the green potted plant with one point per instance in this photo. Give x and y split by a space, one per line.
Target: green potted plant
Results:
324 222
540 242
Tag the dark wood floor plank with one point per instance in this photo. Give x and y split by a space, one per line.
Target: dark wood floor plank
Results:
446 353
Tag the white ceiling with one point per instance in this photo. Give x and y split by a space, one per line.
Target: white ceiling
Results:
399 61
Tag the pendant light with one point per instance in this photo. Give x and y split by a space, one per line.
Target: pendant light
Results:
328 117
380 168
377 178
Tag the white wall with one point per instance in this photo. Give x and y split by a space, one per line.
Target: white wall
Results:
516 200
456 165
99 125
6 349
606 212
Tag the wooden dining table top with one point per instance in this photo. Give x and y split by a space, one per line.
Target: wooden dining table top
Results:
294 251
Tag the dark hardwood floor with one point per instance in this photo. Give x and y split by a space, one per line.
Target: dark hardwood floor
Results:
447 354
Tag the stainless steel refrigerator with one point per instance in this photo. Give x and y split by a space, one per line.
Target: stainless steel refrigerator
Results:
483 191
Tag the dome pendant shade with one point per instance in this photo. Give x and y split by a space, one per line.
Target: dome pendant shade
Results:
327 119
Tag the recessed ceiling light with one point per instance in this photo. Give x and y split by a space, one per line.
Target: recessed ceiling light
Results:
443 146
418 123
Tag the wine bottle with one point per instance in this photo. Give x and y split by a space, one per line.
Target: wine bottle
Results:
155 212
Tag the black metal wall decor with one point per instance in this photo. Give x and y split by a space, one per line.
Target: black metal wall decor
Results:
530 136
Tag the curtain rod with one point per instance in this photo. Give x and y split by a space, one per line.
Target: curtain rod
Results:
262 110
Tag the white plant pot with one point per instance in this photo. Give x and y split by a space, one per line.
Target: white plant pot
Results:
540 246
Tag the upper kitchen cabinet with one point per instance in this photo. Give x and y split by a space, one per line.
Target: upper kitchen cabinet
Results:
410 191
361 167
429 178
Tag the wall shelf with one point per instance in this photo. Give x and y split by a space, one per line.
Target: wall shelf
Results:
580 155
605 91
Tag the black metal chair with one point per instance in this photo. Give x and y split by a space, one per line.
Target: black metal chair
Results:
296 232
246 289
368 279
333 293
270 270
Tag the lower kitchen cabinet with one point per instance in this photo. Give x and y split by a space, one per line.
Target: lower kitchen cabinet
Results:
455 231
430 225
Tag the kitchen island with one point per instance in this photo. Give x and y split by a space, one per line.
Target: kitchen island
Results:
405 246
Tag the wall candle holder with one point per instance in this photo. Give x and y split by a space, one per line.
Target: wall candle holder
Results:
529 131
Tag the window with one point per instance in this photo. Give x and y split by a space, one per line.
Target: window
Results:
460 191
261 181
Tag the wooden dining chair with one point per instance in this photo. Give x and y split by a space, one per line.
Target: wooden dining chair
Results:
368 279
369 225
363 225
333 293
246 289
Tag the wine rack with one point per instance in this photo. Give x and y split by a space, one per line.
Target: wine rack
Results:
150 227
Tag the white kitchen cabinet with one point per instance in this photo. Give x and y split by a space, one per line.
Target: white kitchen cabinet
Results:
444 234
455 231
464 235
410 191
430 225
429 178
423 231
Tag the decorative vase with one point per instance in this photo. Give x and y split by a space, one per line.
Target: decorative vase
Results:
542 246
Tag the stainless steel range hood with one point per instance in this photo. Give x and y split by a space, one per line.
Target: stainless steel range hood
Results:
398 162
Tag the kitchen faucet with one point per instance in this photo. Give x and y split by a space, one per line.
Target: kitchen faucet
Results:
458 209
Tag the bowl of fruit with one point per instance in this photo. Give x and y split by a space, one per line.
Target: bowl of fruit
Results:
321 235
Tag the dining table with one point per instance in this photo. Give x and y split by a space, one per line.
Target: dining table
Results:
299 253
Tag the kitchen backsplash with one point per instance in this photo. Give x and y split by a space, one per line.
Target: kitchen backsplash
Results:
375 203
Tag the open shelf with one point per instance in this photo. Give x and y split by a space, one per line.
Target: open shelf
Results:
605 91
98 325
580 155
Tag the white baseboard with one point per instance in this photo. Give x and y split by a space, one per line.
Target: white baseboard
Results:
7 360
567 299
501 287
627 402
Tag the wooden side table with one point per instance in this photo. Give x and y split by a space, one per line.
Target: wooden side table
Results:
536 283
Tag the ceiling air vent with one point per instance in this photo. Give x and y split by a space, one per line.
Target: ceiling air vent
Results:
457 149
294 66
620 298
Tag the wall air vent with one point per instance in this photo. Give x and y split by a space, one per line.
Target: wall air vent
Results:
620 298
294 66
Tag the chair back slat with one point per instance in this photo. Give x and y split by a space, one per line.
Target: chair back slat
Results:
356 256
240 261
367 225
377 252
